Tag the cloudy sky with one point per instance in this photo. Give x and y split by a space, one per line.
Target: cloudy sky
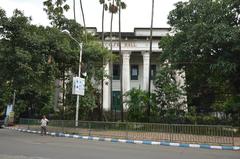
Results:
137 13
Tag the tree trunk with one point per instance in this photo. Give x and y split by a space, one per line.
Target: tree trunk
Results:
103 11
81 6
150 52
103 62
83 17
120 52
74 9
110 64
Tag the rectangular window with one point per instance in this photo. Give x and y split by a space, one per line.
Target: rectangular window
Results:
116 72
134 72
153 71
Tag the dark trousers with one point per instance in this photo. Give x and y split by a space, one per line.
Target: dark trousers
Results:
43 130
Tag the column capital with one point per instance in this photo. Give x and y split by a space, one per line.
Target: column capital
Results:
126 53
145 53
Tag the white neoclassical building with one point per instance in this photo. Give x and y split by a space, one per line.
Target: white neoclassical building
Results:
136 62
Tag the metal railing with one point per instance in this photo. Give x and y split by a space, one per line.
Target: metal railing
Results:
223 135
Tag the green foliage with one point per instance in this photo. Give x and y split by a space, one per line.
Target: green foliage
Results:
206 46
46 110
68 59
136 100
113 6
93 53
166 104
232 109
168 91
55 11
121 4
93 66
33 57
25 66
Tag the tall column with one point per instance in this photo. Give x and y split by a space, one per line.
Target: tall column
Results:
106 90
146 65
125 73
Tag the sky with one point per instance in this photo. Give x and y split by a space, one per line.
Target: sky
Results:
137 13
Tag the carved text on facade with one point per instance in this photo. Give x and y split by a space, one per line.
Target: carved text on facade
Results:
124 44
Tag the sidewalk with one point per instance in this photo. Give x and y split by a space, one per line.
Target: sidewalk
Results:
138 135
163 143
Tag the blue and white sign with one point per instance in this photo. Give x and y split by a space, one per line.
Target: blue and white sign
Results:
78 86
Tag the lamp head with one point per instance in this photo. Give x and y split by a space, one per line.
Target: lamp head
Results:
66 31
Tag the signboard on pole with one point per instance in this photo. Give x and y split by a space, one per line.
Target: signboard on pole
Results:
78 86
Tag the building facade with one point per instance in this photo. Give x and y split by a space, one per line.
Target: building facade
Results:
135 62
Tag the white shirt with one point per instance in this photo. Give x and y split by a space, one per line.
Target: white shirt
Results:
44 122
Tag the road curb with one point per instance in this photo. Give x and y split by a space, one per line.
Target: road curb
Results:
147 142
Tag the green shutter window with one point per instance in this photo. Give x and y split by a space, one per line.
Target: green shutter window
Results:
116 97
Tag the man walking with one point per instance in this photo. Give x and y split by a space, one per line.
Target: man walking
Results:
44 122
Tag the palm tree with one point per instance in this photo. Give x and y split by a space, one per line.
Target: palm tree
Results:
120 51
121 5
150 52
112 10
104 8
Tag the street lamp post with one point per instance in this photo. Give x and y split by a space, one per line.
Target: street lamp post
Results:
79 72
14 98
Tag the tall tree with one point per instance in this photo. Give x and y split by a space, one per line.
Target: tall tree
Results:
168 90
104 8
113 10
121 5
206 46
55 11
88 47
120 52
114 7
26 68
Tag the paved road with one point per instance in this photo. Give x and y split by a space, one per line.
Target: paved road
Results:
19 145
